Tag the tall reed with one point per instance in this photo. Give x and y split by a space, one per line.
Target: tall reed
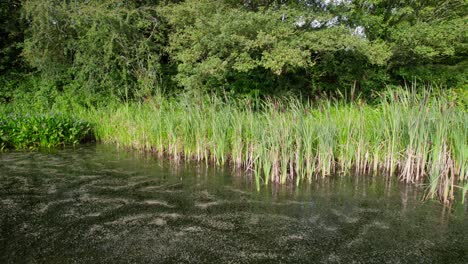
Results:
419 137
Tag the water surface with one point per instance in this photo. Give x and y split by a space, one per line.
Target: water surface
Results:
95 204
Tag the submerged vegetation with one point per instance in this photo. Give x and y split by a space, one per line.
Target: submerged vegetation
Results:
421 138
41 131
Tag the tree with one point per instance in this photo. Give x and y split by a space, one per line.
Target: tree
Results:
105 47
11 38
11 35
125 48
428 39
216 44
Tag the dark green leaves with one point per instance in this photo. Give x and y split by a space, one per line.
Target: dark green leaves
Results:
128 49
212 41
41 131
103 47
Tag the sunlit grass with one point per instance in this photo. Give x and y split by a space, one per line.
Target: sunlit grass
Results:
419 137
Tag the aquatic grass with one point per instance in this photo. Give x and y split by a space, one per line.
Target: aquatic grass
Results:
417 136
27 131
464 191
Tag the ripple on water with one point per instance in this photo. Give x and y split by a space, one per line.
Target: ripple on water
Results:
206 195
295 237
332 258
96 186
52 188
329 228
379 224
365 230
313 219
45 207
354 242
171 215
131 219
86 197
158 221
49 171
345 218
212 222
98 206
261 255
88 177
253 220
8 203
158 202
235 190
95 214
205 205
169 188
193 229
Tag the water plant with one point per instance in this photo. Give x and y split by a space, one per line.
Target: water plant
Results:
26 131
419 137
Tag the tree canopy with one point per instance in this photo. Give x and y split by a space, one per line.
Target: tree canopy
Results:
129 48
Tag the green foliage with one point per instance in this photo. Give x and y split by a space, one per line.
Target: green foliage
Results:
214 44
367 44
11 35
453 76
100 47
96 50
40 131
9 85
427 35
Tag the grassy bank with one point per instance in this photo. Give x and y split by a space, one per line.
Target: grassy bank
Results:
420 138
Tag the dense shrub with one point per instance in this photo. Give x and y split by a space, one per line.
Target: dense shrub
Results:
108 47
96 50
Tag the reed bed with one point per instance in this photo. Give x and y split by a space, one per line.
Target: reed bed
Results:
418 137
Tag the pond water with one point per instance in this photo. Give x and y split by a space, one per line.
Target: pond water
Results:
96 204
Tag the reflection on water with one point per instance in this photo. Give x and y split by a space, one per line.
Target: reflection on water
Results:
95 204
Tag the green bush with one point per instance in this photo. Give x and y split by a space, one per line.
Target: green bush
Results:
41 131
89 52
109 48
